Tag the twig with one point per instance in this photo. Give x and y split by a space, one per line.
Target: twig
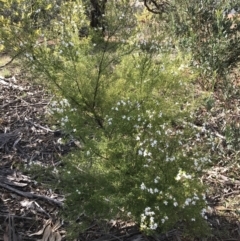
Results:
15 216
11 102
10 61
209 131
41 127
31 195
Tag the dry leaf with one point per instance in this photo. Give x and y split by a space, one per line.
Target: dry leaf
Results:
5 237
58 237
47 233
57 226
40 232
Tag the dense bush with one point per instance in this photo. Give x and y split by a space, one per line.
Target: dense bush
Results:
204 29
129 106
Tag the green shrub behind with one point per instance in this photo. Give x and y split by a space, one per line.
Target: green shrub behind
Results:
204 29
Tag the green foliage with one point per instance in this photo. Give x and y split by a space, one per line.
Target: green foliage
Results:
21 23
130 108
137 161
204 29
139 166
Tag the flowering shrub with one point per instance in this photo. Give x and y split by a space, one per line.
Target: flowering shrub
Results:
129 108
140 162
139 165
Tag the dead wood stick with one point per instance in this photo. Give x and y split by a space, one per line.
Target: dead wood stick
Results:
31 195
16 216
11 102
209 131
39 126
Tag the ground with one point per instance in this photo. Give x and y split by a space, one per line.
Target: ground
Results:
30 209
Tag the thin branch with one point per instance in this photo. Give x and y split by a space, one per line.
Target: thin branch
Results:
11 60
159 7
31 195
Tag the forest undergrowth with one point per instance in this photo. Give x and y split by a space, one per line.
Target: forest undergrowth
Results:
154 120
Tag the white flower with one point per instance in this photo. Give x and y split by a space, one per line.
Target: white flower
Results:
193 219
198 135
110 121
60 141
156 190
172 158
196 197
143 217
147 209
158 132
178 177
143 187
140 153
175 204
150 190
153 226
154 143
165 202
203 212
188 200
54 103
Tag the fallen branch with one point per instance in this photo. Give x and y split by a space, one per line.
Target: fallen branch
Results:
200 128
39 126
32 195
